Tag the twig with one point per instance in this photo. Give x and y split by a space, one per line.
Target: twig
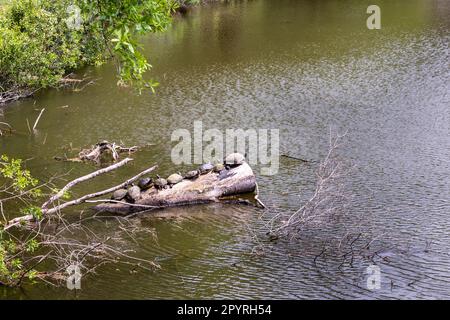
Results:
295 158
6 124
257 196
38 118
28 125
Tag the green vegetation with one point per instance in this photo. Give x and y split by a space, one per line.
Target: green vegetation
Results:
42 41
188 2
15 252
43 247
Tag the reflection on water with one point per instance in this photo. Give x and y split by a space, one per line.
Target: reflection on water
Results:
301 67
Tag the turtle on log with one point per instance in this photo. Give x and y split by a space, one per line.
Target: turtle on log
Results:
234 160
145 183
192 174
119 194
160 183
174 178
133 194
205 168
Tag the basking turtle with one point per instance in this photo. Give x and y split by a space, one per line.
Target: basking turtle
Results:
205 168
133 193
119 194
192 174
160 183
234 159
103 143
218 167
145 183
174 178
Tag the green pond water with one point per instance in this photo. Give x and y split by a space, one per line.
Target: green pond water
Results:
302 67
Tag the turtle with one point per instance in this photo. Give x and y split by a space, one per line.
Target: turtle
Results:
218 167
103 143
160 183
234 159
145 183
205 168
192 174
133 193
119 194
174 178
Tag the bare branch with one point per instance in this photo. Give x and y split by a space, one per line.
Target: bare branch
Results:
100 193
84 178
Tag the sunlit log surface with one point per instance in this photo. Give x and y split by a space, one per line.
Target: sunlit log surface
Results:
210 187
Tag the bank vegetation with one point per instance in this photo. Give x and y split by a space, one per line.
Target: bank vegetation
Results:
43 41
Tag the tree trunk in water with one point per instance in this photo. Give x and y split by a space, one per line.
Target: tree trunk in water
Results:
210 187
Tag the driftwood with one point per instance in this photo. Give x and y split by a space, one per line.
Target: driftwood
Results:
15 94
37 119
101 153
210 187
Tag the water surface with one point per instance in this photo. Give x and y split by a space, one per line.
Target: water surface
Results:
299 66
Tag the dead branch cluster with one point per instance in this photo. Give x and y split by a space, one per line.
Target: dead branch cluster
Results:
324 223
329 199
88 251
76 85
14 94
100 153
54 233
55 200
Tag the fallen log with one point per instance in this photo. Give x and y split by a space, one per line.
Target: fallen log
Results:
210 187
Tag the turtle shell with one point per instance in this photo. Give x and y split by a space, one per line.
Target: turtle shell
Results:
218 167
234 159
145 183
160 183
174 178
134 193
206 167
119 194
191 174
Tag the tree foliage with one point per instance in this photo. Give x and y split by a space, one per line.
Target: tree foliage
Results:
17 184
43 40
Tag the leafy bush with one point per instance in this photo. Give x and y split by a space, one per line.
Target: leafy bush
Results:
38 47
17 184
